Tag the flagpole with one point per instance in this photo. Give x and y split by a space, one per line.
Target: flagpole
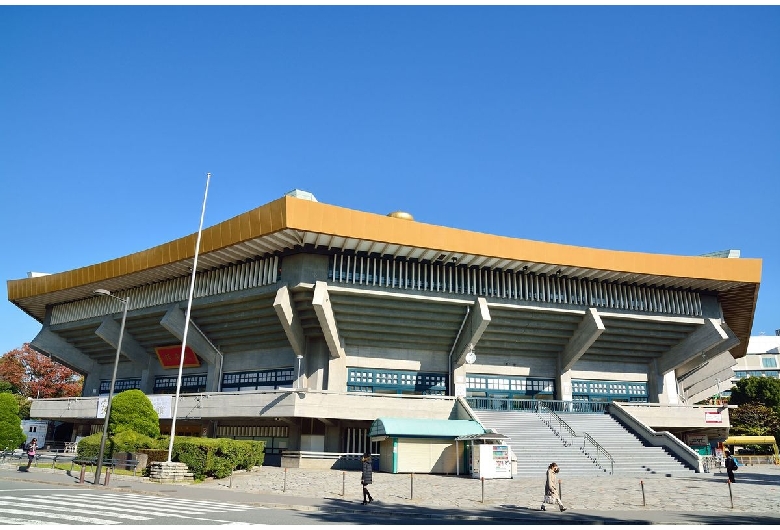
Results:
187 319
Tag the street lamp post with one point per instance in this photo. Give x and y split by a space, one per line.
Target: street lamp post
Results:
298 374
126 302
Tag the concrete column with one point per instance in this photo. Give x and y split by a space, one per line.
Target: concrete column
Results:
91 384
147 381
459 380
337 374
294 437
669 395
563 386
661 388
316 365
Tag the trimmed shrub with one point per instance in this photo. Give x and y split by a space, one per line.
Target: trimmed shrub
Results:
217 457
123 442
131 410
11 433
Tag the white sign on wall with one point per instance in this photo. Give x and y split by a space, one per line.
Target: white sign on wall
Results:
713 417
161 404
460 389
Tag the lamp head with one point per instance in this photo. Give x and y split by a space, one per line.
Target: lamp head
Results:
102 292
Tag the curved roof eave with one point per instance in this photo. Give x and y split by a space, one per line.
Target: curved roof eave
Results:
285 223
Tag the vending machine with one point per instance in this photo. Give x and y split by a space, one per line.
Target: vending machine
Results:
491 461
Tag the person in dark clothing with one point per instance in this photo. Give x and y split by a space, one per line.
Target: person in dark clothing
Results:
731 465
31 451
366 477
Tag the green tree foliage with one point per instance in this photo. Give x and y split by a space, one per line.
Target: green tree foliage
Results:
131 410
759 390
754 419
124 442
23 402
11 434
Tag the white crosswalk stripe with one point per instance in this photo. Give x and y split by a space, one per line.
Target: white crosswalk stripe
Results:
106 508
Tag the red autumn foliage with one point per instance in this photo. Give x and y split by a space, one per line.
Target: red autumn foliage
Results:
37 376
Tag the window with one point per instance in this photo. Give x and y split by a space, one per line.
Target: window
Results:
258 380
119 385
769 362
395 382
584 390
191 383
513 387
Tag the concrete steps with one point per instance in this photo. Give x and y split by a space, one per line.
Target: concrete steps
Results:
631 455
535 445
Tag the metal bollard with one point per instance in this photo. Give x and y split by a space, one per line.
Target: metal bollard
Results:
482 479
343 483
81 474
284 487
231 480
642 484
731 496
560 489
411 492
108 476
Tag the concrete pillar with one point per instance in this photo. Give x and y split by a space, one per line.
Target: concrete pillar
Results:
316 364
147 381
661 388
669 390
91 385
337 374
332 439
563 386
459 381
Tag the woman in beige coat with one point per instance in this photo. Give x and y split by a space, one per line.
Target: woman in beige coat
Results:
551 493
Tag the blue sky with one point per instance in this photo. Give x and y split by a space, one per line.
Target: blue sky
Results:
652 129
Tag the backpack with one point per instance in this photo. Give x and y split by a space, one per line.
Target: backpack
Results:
731 465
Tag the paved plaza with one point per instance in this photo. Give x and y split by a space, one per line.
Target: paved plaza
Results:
757 489
608 499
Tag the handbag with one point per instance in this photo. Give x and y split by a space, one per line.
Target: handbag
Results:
550 499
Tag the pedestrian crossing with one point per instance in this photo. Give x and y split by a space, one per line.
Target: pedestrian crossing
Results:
104 508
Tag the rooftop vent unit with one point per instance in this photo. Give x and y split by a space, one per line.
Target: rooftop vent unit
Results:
300 194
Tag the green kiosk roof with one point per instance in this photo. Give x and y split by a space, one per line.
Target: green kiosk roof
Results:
423 428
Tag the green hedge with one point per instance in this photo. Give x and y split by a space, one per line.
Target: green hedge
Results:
206 457
217 457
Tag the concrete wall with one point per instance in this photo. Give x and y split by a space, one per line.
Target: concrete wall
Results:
661 417
255 405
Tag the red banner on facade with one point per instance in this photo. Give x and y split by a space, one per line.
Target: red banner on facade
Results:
170 356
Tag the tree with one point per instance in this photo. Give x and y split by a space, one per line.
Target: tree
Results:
131 410
23 402
11 433
753 419
37 376
759 390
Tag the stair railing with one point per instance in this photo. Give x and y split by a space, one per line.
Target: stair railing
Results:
563 431
598 452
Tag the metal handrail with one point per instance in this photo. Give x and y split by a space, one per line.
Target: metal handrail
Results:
532 405
599 450
562 425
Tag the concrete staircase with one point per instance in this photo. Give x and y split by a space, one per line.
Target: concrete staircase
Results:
535 445
631 455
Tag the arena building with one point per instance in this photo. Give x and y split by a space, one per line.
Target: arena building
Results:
310 321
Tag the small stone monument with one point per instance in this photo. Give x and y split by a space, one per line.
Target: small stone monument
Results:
169 472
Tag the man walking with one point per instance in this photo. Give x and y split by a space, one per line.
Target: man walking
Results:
731 466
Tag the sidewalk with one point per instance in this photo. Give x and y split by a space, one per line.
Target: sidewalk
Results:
756 494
